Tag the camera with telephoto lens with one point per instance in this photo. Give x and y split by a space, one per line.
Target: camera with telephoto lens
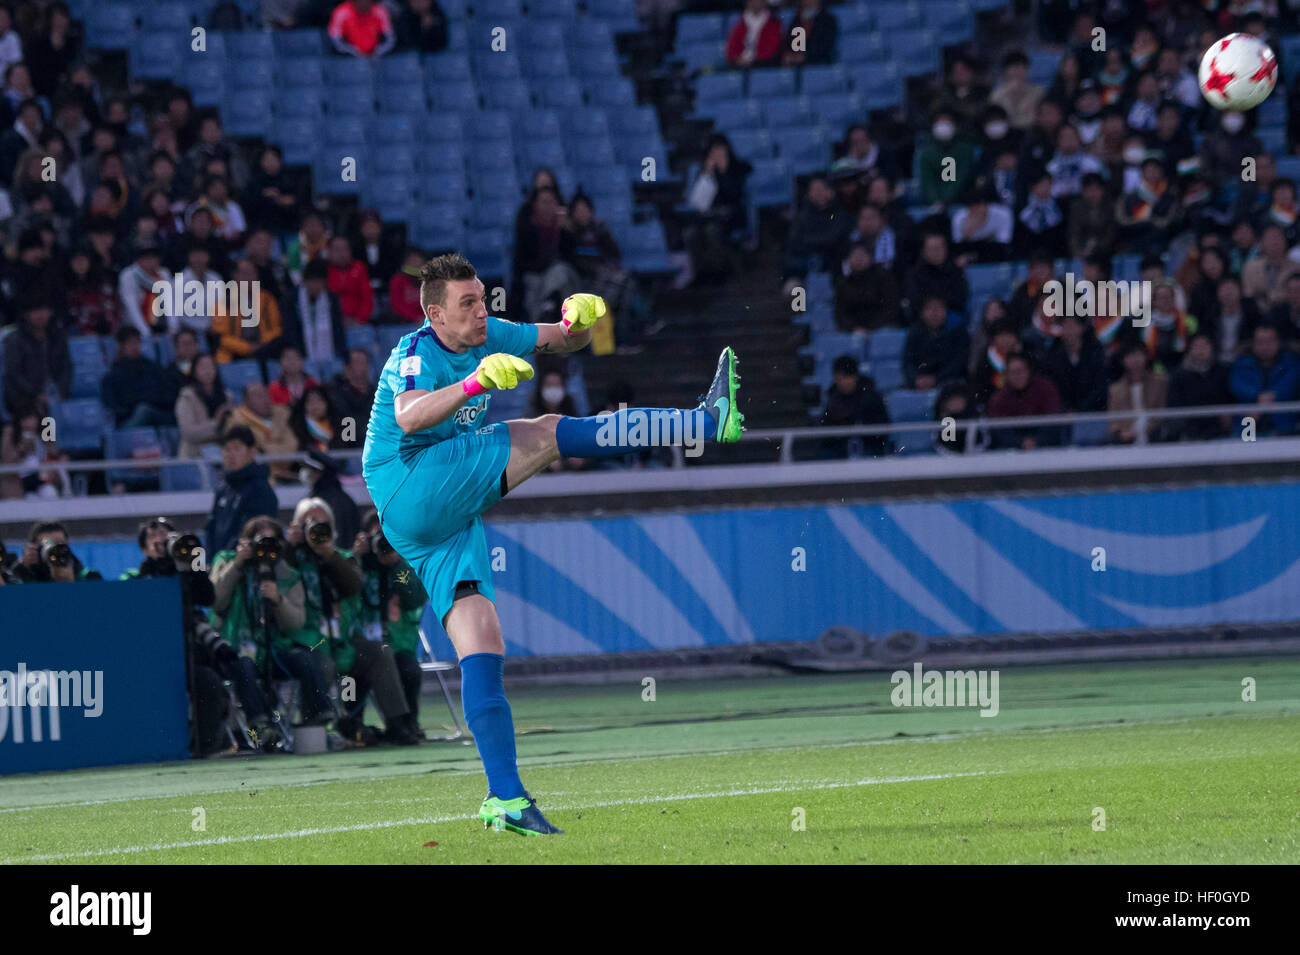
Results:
268 548
318 532
55 553
182 546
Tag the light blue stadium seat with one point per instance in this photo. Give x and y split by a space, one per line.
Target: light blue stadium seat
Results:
387 337
821 80
132 443
487 249
447 65
254 74
389 131
863 50
588 33
896 14
1272 138
154 54
328 167
206 80
181 477
887 374
855 18
81 424
774 82
358 101
393 194
716 87
838 110
448 185
111 25
300 73
345 131
363 336
770 184
922 51
497 11
299 102
806 149
1042 66
488 213
453 95
820 288
638 121
952 21
644 247
886 344
291 43
559 93
785 111
752 144
238 375
729 114
701 27
297 137
700 55
246 112
881 87
394 159
613 92
438 159
400 70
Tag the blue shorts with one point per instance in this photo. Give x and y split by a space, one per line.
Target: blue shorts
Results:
433 520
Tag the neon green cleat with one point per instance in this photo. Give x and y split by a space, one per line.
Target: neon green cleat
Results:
519 815
720 401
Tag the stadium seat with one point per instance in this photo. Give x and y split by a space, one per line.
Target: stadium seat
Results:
496 11
358 100
292 43
394 159
896 14
81 424
906 405
246 112
616 93
181 477
448 65
922 51
254 74
952 20
644 248
770 184
701 27
855 18
806 149
863 50
888 375
766 84
438 224
487 249
699 55
491 212
1042 66
154 54
303 73
111 25
1272 138
393 194
206 80
89 365
752 144
880 87
400 71
785 111
886 344
363 336
729 114
297 138
238 375
715 87
387 337
821 80
838 110
559 93
131 443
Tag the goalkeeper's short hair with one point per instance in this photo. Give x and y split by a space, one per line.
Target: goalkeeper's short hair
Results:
436 273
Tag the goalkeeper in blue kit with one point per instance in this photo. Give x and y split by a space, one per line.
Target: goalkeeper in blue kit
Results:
432 469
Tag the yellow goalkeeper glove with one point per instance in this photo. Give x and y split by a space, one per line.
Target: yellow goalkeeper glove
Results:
497 371
579 312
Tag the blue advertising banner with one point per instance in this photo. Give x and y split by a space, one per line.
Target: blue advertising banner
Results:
91 674
1199 556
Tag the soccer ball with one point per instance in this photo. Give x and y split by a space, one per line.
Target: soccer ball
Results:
1237 72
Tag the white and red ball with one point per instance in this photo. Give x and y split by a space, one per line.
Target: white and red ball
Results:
1237 72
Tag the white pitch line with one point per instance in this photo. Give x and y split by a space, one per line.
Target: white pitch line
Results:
391 824
544 763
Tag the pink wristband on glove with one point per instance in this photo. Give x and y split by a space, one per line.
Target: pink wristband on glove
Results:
472 386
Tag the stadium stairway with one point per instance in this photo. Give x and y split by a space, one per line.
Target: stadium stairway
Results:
678 362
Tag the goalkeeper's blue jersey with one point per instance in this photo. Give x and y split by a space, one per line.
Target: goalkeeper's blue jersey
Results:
422 361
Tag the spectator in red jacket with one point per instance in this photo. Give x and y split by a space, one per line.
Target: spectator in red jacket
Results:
350 281
361 28
293 380
1023 395
756 38
404 289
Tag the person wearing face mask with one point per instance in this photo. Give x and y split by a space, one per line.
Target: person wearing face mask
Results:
1223 149
938 186
996 136
1087 116
552 397
1015 93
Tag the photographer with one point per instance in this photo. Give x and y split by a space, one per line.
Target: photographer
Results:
6 561
330 577
209 659
259 606
388 611
48 558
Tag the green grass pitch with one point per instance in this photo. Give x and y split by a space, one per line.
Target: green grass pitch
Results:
721 771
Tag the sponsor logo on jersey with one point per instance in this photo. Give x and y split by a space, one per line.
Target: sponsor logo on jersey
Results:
409 366
465 416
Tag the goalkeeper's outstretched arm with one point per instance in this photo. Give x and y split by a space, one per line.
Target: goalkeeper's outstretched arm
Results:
419 408
578 314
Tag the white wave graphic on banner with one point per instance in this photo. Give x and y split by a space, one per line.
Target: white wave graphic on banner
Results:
1162 555
1277 600
605 574
984 575
529 626
679 542
897 577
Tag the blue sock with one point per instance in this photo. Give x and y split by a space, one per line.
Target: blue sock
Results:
613 435
487 713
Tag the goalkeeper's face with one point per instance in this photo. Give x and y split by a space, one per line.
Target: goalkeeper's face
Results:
463 314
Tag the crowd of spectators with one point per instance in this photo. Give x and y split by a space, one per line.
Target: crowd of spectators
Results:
1117 160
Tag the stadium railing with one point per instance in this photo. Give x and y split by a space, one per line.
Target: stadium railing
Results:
977 460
